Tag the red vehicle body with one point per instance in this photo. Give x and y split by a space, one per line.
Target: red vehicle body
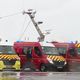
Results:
40 59
71 53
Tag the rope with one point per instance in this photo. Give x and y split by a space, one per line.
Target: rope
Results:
25 28
11 15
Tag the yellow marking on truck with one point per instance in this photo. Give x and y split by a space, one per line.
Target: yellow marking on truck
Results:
50 57
2 57
15 56
53 57
6 57
9 57
77 45
56 58
12 57
62 59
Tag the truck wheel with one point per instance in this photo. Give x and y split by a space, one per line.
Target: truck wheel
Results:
43 68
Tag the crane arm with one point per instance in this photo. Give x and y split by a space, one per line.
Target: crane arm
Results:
32 15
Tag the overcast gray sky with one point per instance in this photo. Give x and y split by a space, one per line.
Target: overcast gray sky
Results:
61 17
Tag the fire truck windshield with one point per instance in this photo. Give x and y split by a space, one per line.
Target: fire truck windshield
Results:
62 50
6 50
50 50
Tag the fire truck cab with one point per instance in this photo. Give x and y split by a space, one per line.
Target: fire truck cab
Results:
44 55
71 53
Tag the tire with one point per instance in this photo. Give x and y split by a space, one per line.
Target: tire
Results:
43 68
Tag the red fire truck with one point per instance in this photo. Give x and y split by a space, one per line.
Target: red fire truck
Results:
44 55
71 52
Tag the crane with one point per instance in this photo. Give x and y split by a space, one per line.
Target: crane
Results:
31 14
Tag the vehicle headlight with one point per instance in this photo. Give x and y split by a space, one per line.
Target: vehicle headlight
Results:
65 63
50 60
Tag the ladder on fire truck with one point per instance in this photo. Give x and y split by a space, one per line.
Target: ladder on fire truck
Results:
31 14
